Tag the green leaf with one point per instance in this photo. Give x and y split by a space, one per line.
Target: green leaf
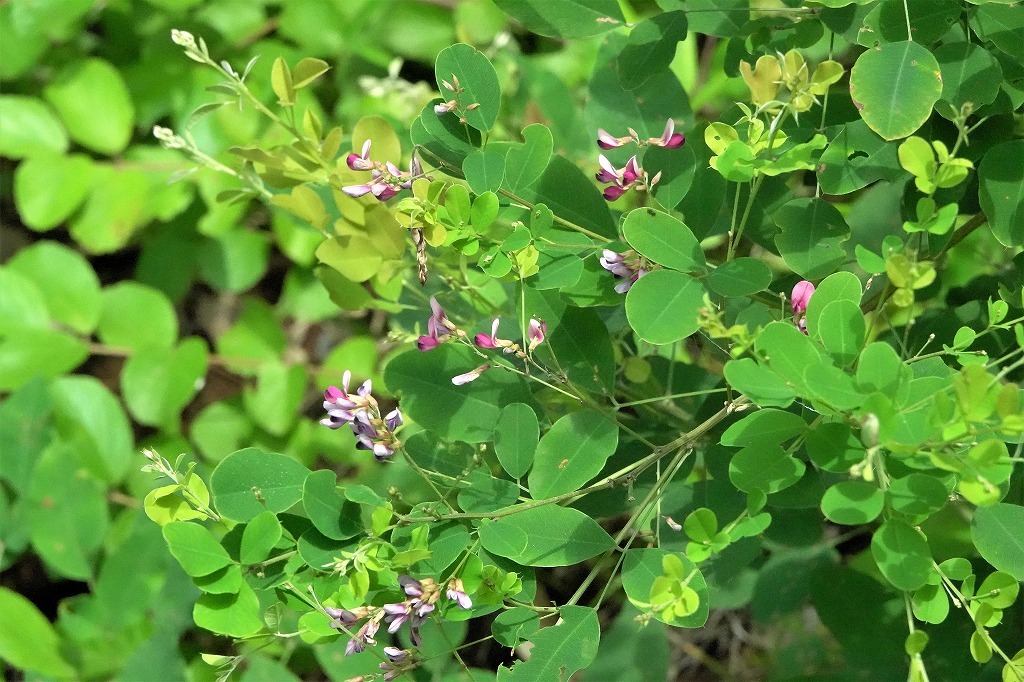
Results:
307 71
275 402
841 329
560 650
89 415
474 82
29 127
1001 191
852 503
1002 25
917 495
135 316
467 413
22 303
515 438
385 145
662 239
930 604
969 74
484 171
85 88
763 386
894 86
235 260
195 548
514 625
67 514
571 195
811 237
564 18
157 383
765 467
855 158
33 645
485 493
27 353
260 536
834 447
642 566
651 48
256 337
678 168
526 162
545 536
740 277
788 352
26 428
331 514
839 286
66 280
48 188
764 426
572 452
583 349
929 19
234 615
251 481
996 533
443 138
663 306
901 552
356 256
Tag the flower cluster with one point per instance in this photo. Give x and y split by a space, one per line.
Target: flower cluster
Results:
387 179
669 139
798 300
629 267
422 596
621 179
362 413
536 333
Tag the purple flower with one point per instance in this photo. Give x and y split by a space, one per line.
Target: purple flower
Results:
622 179
438 327
536 332
362 413
457 593
471 375
360 161
669 139
445 107
396 663
627 267
362 638
341 618
801 296
411 586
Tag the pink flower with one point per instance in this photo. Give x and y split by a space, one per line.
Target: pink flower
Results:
606 141
801 296
622 179
360 161
536 332
669 139
484 341
437 328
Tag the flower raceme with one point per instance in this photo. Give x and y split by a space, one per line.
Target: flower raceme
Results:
386 179
669 139
362 414
536 333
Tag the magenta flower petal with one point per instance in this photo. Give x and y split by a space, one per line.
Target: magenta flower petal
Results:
801 296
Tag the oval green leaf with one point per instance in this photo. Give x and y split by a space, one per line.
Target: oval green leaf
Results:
894 86
663 239
572 452
251 481
663 306
545 536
